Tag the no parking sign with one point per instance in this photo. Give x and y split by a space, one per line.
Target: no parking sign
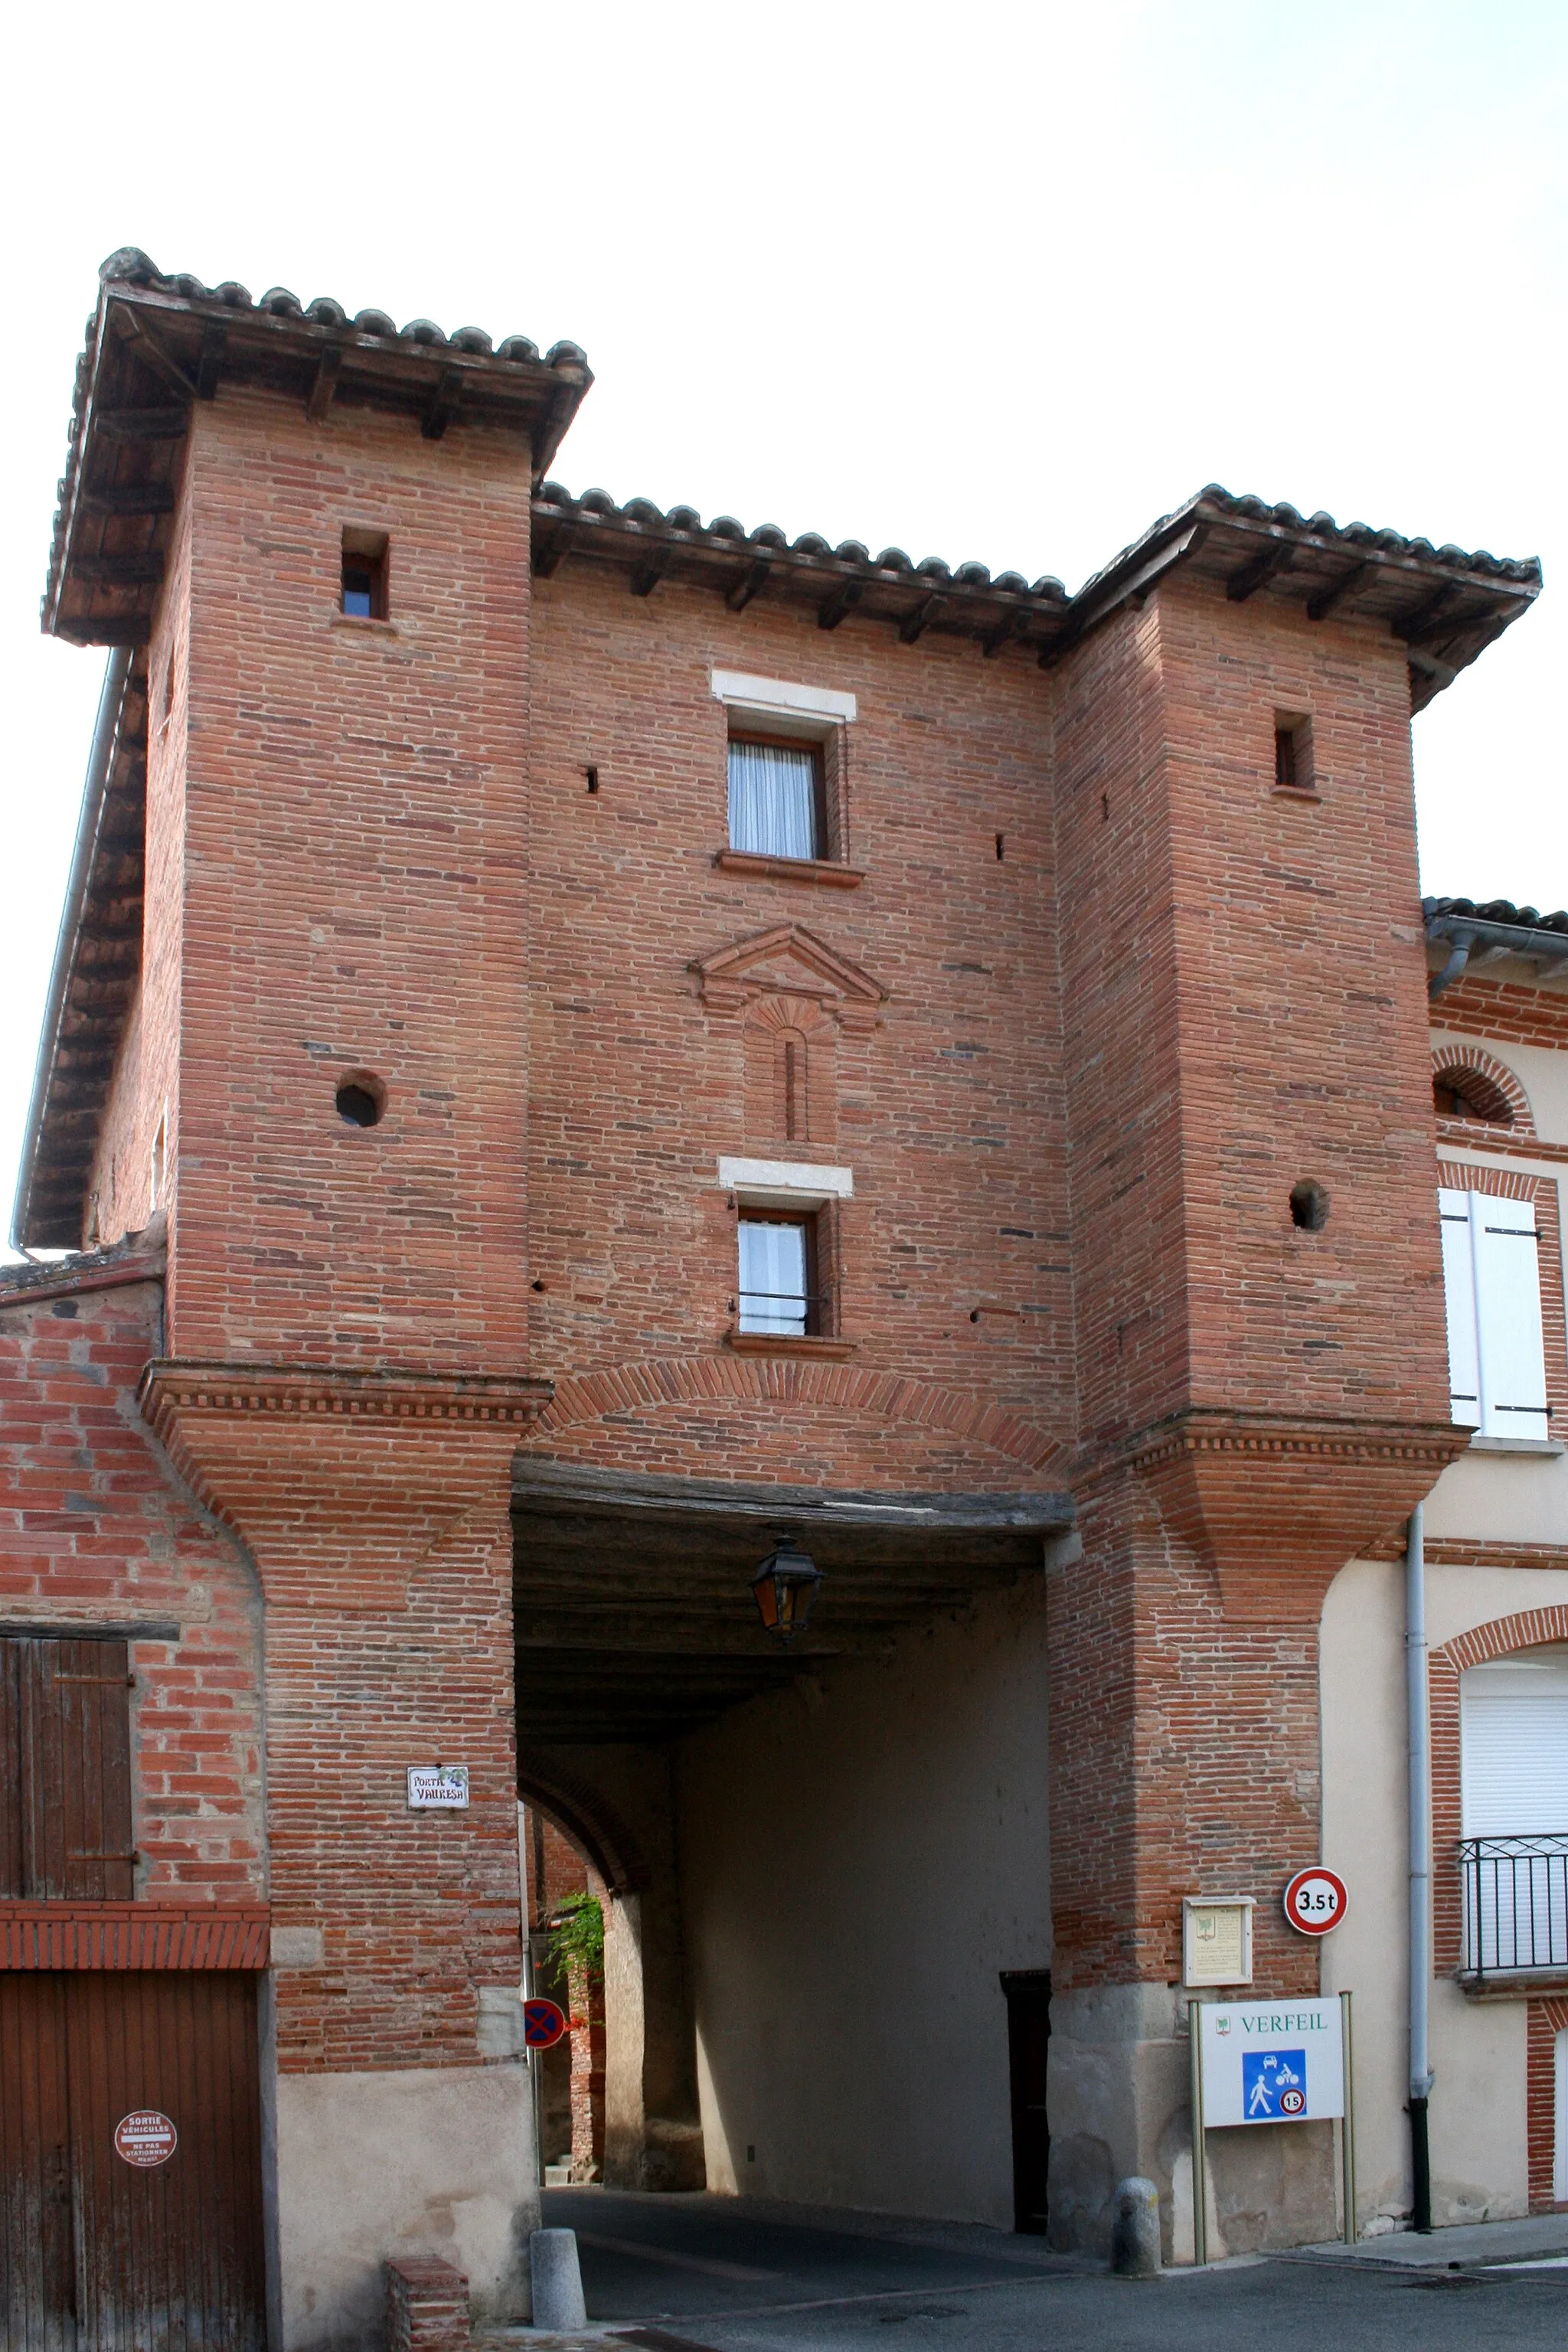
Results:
543 2023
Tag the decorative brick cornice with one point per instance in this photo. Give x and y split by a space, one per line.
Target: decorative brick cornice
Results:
171 1389
134 1935
1213 1429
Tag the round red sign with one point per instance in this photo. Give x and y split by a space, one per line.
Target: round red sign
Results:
1316 1900
145 2138
543 2023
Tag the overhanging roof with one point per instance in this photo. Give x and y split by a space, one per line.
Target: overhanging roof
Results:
156 345
1442 605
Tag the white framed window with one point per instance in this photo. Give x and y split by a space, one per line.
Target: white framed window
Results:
1492 1286
777 805
1513 1792
778 1273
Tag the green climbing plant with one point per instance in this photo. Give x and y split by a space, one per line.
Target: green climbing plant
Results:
577 1934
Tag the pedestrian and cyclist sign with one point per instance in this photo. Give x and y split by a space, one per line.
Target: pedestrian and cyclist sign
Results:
1271 2062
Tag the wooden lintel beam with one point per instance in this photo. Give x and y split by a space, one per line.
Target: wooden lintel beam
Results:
1416 619
1321 606
149 350
648 575
329 367
141 423
144 570
443 405
1244 583
914 625
129 498
548 552
740 593
108 629
843 600
209 360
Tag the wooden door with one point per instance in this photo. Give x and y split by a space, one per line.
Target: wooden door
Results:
103 2255
1028 1995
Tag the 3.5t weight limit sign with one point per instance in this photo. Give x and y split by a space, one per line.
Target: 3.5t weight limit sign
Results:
1316 1900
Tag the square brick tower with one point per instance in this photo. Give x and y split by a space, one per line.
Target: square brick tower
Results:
429 980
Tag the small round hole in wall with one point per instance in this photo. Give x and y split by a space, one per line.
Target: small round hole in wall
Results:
1309 1205
361 1099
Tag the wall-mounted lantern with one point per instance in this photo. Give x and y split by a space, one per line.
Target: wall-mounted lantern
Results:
784 1587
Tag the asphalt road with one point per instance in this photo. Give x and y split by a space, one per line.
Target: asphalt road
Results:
717 2274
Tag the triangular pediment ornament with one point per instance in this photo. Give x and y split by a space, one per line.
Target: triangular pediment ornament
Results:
790 960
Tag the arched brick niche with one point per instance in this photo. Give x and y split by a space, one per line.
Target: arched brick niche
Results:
791 1077
588 1818
1487 1093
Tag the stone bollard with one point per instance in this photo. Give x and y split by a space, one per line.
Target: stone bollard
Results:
1135 2230
558 2279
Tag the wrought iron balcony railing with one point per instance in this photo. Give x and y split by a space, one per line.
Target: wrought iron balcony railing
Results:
1515 1893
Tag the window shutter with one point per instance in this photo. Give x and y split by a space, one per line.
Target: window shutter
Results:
64 1707
1460 1296
1508 1315
1513 1735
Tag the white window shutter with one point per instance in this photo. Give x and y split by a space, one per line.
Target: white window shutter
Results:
1508 1317
1460 1296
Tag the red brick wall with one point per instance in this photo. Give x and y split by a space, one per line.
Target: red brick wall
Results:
146 1081
949 1112
94 1530
1544 2021
355 844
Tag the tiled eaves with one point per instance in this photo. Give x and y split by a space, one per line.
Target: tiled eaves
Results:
158 344
1443 604
1494 910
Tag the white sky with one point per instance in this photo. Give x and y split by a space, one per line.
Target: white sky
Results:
999 282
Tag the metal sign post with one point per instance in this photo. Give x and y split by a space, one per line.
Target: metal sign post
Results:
1347 2121
1200 2186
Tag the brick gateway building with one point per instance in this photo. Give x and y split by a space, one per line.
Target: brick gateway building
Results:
583 1041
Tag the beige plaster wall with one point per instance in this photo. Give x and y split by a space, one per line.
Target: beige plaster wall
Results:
855 1872
1477 2110
436 2162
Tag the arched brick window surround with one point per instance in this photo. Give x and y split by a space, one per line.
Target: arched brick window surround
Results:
1499 1638
1493 1084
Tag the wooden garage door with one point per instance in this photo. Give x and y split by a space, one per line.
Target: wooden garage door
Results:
99 2254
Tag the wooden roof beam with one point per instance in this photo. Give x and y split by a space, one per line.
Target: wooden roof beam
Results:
443 405
329 367
751 581
1320 604
1259 568
129 498
648 575
844 600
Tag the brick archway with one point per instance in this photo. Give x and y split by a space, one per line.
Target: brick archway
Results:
588 1819
769 1379
1497 1090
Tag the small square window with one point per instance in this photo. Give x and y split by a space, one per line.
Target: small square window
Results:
777 800
364 576
778 1274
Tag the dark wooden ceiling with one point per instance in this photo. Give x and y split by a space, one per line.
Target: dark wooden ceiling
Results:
634 1615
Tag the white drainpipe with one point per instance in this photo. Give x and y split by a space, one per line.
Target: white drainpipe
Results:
1420 1744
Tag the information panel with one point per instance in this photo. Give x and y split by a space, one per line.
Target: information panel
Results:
1271 2062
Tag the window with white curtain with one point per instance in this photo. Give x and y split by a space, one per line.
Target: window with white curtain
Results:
1491 1285
775 798
777 1269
